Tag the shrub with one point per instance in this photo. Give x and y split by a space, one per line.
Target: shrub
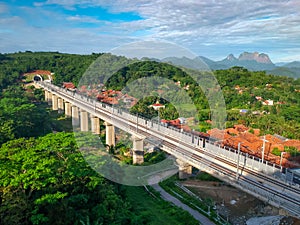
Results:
276 151
292 150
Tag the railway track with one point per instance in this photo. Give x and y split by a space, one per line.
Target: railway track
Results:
133 128
280 198
257 174
274 190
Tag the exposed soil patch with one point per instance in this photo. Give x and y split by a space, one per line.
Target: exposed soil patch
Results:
233 203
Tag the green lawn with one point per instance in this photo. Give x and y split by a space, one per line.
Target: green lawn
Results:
155 211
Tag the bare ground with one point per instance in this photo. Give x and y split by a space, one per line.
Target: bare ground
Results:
235 204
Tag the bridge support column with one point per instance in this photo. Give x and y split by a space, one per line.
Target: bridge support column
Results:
54 102
110 134
68 109
46 95
185 170
84 121
49 98
60 103
75 116
138 150
95 124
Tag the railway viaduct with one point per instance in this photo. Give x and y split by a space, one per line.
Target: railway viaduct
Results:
252 175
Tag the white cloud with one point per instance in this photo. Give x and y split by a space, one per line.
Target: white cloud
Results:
83 19
195 24
71 40
182 18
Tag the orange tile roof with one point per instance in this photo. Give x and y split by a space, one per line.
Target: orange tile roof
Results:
68 85
252 143
40 72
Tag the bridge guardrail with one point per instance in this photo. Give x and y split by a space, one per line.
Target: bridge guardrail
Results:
249 161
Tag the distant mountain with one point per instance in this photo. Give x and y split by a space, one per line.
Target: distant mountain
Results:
214 65
252 61
196 63
230 58
286 71
255 56
295 64
280 63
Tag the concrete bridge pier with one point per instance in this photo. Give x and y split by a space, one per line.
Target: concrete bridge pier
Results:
68 109
138 150
95 125
185 169
110 134
54 102
46 96
49 98
60 104
75 116
84 120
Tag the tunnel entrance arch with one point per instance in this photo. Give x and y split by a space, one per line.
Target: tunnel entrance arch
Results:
37 77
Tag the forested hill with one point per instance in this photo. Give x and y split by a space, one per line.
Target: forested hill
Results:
271 103
241 88
71 67
68 67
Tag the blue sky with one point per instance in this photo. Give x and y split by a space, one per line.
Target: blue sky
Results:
206 27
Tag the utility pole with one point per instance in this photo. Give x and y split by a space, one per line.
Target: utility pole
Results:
158 120
238 161
263 150
137 121
281 155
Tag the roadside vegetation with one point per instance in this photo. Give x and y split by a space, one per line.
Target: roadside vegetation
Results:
204 206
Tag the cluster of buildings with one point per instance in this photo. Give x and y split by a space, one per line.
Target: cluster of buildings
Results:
111 97
268 102
252 143
179 123
186 87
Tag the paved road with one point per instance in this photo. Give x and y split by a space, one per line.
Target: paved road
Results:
198 216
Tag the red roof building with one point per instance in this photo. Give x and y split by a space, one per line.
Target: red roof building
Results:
68 85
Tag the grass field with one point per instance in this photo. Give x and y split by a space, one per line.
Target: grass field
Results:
155 211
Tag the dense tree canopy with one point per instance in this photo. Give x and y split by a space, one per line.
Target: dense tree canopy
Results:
66 67
19 116
47 181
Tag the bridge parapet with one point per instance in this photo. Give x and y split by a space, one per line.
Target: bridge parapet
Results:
250 175
120 118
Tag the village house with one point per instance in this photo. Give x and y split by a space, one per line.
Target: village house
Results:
68 85
268 102
157 106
